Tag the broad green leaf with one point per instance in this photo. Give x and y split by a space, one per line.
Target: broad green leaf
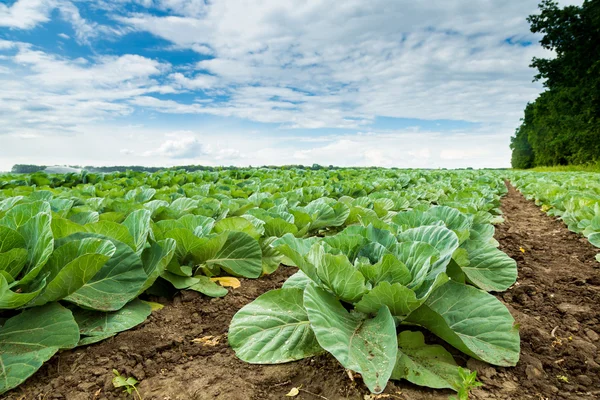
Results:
388 269
473 321
271 258
337 274
199 224
13 261
442 239
594 239
483 233
414 219
37 233
208 287
237 224
138 225
418 258
10 299
278 227
348 244
18 216
85 217
295 250
299 280
425 365
454 220
273 329
240 256
365 345
399 299
155 260
112 230
10 239
489 269
87 340
187 242
71 266
96 323
180 282
30 338
62 227
118 281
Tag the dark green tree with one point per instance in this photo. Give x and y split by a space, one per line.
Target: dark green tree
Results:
562 126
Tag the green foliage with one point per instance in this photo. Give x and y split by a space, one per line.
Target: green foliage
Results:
128 384
466 383
371 248
562 126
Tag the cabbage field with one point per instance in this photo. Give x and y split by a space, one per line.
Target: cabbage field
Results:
396 276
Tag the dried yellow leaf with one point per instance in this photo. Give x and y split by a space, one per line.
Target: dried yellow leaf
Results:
227 281
293 392
209 340
522 249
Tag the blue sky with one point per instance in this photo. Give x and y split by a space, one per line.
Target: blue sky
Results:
236 82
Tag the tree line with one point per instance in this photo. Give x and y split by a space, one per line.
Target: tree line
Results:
562 126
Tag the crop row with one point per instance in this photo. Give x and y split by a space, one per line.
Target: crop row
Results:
378 251
573 197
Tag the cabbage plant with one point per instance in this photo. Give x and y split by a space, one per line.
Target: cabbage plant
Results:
360 295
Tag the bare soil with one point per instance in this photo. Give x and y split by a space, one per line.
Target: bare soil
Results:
181 351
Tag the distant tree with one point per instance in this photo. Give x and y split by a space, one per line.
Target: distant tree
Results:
562 126
27 168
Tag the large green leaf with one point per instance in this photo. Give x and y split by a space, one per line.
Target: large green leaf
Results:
365 345
10 239
13 261
18 216
442 239
71 266
594 239
271 258
10 299
237 224
240 255
471 320
96 323
62 227
454 220
118 282
155 260
37 233
489 269
298 280
337 274
112 230
138 225
273 329
425 365
206 286
388 269
400 300
31 338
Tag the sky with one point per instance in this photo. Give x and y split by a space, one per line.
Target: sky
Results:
390 83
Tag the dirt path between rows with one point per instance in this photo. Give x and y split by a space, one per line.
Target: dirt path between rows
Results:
181 351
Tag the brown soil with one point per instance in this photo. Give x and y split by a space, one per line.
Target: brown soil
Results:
181 351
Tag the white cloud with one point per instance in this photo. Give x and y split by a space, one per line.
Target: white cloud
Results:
47 94
28 14
295 64
180 145
64 36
